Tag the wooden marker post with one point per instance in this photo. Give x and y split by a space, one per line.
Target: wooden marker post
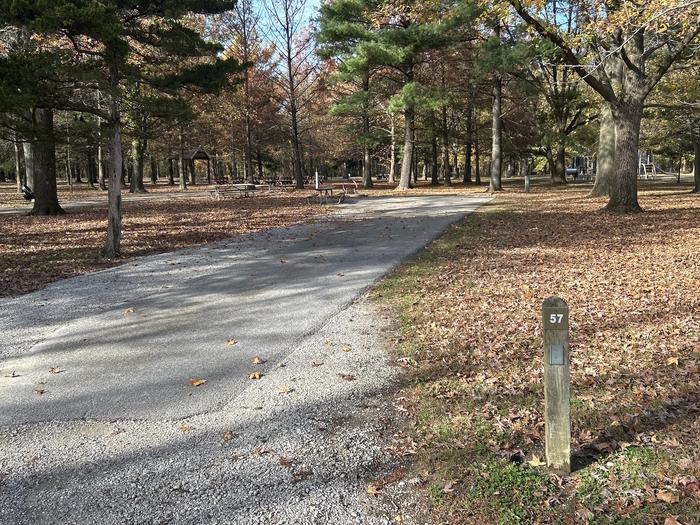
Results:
557 414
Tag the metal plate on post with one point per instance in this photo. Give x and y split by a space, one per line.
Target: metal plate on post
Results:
556 355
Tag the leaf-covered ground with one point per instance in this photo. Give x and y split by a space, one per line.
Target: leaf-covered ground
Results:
470 310
35 251
9 198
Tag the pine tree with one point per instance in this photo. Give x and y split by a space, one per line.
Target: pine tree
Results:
114 40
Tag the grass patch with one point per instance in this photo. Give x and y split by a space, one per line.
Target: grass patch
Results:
468 308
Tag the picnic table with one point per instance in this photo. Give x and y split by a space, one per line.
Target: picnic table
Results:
326 195
231 190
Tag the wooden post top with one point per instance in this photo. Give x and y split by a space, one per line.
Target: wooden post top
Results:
555 314
554 302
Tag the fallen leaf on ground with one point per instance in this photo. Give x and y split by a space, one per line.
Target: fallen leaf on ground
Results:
231 342
670 520
449 487
198 382
286 390
536 461
667 496
228 435
672 361
285 462
48 259
392 477
184 428
55 370
257 360
346 349
255 375
346 377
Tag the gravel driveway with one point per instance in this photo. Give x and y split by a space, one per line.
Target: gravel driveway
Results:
127 432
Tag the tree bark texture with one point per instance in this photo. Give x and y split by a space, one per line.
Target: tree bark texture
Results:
623 193
407 159
28 149
696 164
138 152
18 164
496 137
112 247
605 158
44 150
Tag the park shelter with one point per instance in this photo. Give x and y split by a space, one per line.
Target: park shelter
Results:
189 158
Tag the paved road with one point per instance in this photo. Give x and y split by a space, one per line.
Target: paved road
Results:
123 417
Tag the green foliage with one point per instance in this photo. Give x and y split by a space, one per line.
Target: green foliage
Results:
514 492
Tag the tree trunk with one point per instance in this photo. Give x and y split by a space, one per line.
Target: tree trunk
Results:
392 161
605 159
100 169
125 170
496 136
154 170
76 169
696 162
112 246
18 164
560 164
193 172
91 167
45 192
138 151
407 158
28 149
446 175
525 173
477 160
181 162
468 147
434 181
248 152
261 174
414 167
623 192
